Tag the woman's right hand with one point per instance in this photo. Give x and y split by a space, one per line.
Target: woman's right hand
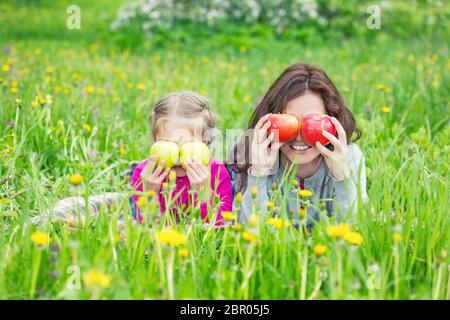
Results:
263 153
152 176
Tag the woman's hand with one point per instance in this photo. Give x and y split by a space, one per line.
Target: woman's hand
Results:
198 175
337 160
152 178
263 157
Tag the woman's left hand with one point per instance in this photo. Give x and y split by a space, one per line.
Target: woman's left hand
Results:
198 175
337 160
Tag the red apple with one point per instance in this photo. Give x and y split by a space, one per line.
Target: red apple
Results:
284 126
312 126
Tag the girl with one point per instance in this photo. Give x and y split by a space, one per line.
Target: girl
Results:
334 171
179 117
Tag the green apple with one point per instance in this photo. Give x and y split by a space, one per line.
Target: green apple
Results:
167 151
194 150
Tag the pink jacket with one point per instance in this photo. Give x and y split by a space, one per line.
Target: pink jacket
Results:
220 181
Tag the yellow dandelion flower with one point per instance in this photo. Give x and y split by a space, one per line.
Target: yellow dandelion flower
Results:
354 238
172 175
165 185
270 205
237 227
141 86
305 193
142 201
319 250
228 215
34 104
6 68
254 191
50 69
130 85
243 49
238 197
170 237
97 278
397 237
278 223
246 99
90 89
18 101
385 109
249 237
202 92
381 86
57 89
253 219
184 253
14 90
151 194
338 231
40 238
294 183
76 179
66 91
87 127
122 151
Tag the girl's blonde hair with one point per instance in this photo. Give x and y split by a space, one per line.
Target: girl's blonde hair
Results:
183 104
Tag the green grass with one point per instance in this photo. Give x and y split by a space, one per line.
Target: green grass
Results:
406 150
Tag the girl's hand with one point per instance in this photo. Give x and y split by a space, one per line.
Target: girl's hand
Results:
198 175
152 178
263 157
337 160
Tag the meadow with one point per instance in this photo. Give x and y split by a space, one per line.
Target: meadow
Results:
73 102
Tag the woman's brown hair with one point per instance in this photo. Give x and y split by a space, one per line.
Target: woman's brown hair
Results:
292 83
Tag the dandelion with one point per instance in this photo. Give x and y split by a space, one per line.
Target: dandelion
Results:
90 89
122 151
170 237
243 49
172 176
97 278
253 219
270 205
305 193
249 237
278 223
246 99
141 86
151 194
338 231
6 68
18 101
142 201
381 86
397 237
385 109
228 215
202 92
34 104
294 183
165 185
76 179
238 197
87 127
237 227
40 238
50 69
354 238
319 250
254 191
14 90
184 253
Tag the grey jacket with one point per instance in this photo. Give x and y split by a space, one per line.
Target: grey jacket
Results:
337 196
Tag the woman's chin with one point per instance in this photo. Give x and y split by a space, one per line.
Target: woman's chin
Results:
303 157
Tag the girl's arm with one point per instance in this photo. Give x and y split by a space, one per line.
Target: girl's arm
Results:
346 191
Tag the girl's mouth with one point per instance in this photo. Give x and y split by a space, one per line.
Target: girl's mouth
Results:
299 148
